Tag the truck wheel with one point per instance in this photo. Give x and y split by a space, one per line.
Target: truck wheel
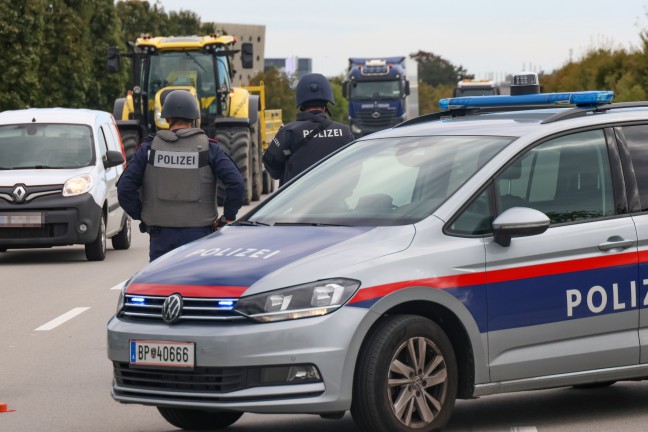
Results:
406 377
235 141
96 251
130 139
198 420
122 240
257 166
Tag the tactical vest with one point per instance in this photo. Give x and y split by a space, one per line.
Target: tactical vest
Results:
179 188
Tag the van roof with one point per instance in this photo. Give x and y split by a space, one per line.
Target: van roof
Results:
54 115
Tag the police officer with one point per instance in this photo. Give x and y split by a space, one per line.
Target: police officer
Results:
170 183
301 143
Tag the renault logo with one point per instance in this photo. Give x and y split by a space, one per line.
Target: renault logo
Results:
19 193
172 308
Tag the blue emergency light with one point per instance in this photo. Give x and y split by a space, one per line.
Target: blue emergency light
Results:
585 98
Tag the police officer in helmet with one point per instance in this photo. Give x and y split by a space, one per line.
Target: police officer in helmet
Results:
299 144
170 183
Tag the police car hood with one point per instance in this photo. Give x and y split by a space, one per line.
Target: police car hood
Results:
243 260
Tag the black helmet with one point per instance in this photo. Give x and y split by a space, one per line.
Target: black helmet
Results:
314 87
180 104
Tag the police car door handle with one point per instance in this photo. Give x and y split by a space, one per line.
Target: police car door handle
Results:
616 242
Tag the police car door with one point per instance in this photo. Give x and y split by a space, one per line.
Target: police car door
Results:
634 139
565 300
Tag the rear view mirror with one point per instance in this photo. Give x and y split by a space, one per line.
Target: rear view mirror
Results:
519 222
247 55
113 158
345 89
113 59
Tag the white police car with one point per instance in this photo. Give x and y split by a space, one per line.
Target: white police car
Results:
58 173
498 246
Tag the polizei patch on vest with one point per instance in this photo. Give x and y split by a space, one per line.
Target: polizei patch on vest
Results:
182 160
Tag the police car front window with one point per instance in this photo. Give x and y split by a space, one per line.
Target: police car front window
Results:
25 146
381 182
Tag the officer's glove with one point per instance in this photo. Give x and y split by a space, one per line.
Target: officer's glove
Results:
221 222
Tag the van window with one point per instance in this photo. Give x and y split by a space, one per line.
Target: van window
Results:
41 145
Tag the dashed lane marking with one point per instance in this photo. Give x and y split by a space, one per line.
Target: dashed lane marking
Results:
63 318
524 429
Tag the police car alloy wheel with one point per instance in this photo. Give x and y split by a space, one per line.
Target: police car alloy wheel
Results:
406 377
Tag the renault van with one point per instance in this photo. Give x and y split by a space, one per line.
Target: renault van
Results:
58 173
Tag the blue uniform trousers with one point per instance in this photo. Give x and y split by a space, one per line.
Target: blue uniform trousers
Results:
163 240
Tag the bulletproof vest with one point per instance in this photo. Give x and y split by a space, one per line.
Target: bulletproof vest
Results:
179 188
335 136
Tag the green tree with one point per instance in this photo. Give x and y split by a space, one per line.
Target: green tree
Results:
22 36
435 70
339 111
278 91
429 96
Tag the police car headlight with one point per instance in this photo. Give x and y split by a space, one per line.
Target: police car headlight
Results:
78 185
301 301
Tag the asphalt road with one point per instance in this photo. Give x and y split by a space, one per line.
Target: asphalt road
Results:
54 306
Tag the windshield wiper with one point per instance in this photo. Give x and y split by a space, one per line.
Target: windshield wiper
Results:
251 223
307 224
32 167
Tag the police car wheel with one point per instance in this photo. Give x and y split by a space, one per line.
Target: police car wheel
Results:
198 420
406 377
122 240
96 251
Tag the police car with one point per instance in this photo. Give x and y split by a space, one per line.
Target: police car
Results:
497 246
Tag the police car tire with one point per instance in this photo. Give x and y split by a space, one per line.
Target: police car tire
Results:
257 166
122 240
130 139
198 420
235 141
373 398
96 251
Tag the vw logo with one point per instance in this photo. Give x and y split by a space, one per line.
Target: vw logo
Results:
19 193
172 308
375 114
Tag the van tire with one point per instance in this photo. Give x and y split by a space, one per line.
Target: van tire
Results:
122 240
96 251
130 139
382 387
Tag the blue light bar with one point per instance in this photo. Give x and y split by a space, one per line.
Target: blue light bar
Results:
574 98
229 304
138 300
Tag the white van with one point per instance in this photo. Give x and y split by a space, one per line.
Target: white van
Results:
58 173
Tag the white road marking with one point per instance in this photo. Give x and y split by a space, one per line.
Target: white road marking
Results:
524 429
63 318
119 286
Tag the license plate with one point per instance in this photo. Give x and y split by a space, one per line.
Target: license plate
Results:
162 353
21 220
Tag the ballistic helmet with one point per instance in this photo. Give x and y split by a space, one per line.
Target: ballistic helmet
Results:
180 104
314 90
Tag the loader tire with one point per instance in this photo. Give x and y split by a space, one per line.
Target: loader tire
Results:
257 166
130 139
235 141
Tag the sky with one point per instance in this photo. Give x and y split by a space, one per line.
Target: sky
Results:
487 38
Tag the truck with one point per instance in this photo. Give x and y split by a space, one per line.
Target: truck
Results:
377 90
234 116
472 87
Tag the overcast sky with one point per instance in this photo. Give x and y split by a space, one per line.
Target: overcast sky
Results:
487 38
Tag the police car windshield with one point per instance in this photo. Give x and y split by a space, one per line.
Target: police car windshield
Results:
41 146
394 181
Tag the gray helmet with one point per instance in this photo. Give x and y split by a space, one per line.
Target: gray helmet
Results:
180 104
314 87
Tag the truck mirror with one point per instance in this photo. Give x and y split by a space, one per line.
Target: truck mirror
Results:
345 89
113 59
407 88
247 55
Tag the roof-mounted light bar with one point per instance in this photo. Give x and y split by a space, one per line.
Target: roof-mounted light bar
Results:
585 98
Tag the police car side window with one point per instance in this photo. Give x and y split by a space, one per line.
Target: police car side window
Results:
567 178
636 138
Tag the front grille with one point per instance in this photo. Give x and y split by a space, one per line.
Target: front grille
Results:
193 309
46 231
387 118
199 379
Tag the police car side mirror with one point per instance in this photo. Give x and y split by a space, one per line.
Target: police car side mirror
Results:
113 158
519 222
